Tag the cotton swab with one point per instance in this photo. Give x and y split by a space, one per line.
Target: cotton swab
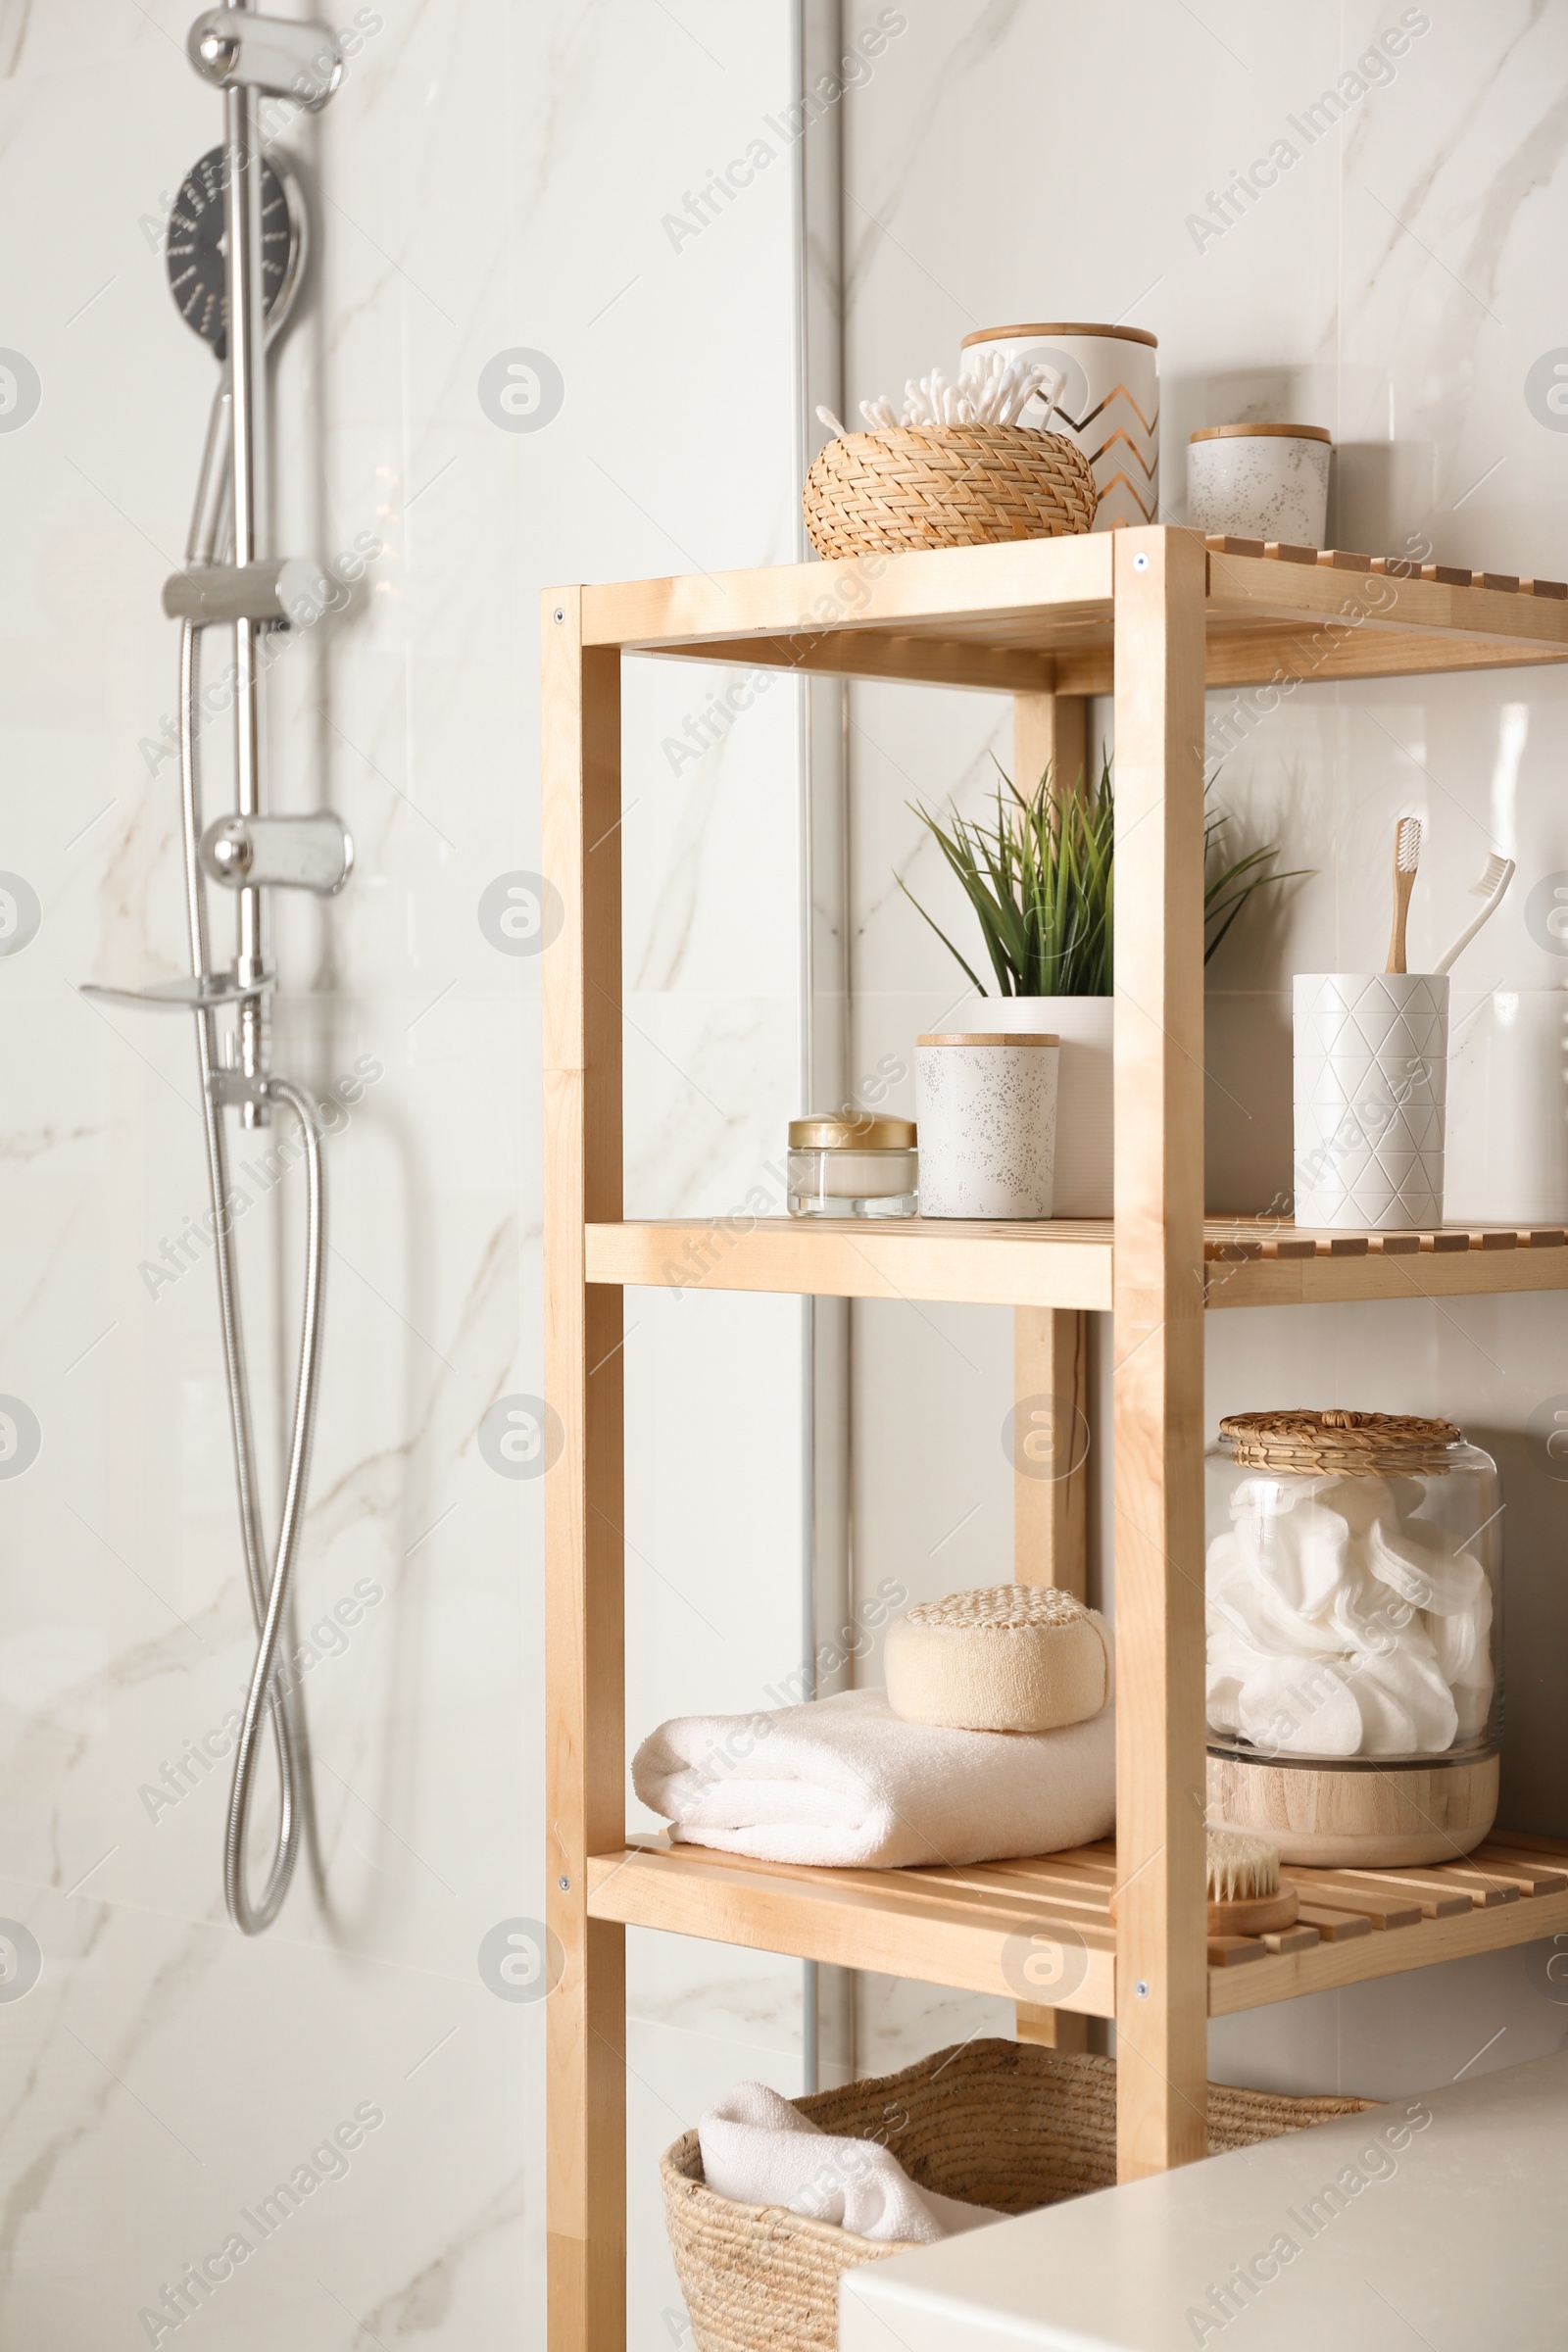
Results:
993 391
828 417
1495 876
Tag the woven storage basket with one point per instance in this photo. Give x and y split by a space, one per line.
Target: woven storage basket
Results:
1005 2124
946 485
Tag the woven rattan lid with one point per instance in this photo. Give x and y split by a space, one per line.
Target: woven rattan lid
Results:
840 1134
1340 1444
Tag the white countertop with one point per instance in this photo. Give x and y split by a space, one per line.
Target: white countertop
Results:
1441 2220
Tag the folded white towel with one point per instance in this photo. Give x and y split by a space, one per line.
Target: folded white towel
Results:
760 2150
842 1781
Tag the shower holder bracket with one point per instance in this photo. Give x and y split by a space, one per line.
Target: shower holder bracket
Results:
279 593
233 1089
234 49
279 852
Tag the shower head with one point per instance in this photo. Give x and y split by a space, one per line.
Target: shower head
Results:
198 277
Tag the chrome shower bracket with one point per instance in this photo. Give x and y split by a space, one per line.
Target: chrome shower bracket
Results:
279 852
235 50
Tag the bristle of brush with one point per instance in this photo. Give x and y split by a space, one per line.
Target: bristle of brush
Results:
1407 845
1241 1867
1492 875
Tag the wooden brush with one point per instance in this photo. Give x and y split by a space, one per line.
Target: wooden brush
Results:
1244 1895
1407 853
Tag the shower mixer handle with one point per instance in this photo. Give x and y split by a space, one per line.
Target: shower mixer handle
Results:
279 852
235 50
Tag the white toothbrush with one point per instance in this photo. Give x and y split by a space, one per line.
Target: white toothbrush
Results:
1495 876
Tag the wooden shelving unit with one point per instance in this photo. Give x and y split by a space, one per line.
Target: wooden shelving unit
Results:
1150 616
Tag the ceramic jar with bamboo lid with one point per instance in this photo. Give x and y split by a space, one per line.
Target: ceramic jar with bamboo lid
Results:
1260 481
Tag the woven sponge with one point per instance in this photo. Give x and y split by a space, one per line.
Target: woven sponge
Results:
1007 1658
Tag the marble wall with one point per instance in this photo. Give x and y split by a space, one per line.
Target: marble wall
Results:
489 180
1395 284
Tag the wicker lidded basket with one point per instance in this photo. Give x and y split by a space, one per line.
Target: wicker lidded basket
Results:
945 485
1005 2124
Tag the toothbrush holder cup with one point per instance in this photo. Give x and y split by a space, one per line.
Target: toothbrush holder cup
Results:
1370 1086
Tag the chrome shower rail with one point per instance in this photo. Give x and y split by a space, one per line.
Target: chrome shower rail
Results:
227 582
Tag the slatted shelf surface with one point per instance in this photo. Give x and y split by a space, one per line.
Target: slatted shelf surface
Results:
1248 1261
1036 616
1041 1931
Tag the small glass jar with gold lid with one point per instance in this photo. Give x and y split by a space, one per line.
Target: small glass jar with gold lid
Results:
842 1166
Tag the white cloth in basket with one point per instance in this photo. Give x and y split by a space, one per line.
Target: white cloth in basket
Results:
759 2149
844 1782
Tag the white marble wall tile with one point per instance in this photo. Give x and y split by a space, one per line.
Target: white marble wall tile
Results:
486 179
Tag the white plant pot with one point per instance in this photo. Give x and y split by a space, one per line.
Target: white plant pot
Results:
1086 1026
986 1105
1371 1083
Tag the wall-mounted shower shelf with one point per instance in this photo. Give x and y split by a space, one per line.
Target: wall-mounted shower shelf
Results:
1067 1263
1150 616
981 1929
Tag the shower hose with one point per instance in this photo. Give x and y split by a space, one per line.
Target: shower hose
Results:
268 1697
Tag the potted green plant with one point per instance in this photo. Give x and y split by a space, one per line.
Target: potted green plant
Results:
1040 876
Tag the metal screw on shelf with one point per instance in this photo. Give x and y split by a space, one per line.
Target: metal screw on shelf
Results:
1140 563
560 611
565 1885
1142 1989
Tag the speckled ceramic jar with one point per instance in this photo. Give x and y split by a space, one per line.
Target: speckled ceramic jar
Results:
1260 481
987 1115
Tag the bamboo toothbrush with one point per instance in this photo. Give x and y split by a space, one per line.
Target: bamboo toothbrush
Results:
1244 1895
1406 851
1495 876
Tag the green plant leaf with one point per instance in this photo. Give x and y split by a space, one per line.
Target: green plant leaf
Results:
1039 878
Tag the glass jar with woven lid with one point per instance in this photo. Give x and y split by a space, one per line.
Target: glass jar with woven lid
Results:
844 1166
1353 1604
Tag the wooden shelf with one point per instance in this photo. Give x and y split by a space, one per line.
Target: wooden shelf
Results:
979 1929
963 1927
1264 1262
1067 1263
1037 617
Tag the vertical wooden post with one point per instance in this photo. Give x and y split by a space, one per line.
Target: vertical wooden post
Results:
1049 731
584 1593
1161 1969
1050 1447
1051 1346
